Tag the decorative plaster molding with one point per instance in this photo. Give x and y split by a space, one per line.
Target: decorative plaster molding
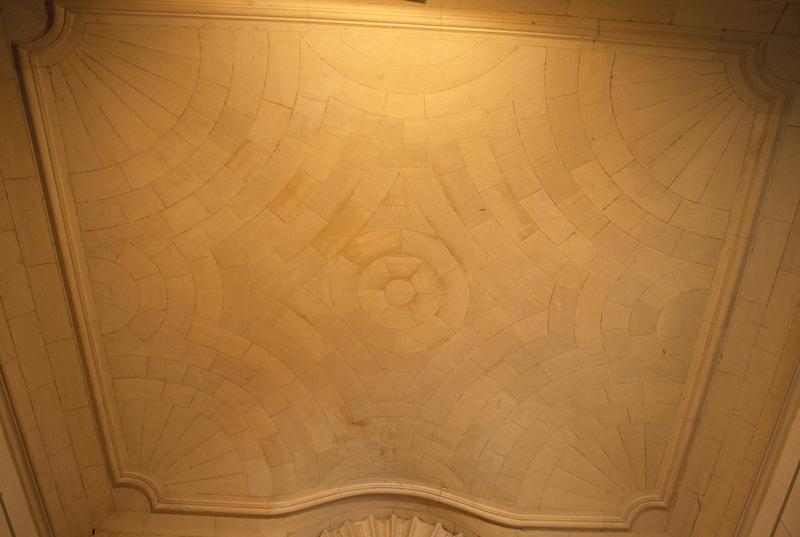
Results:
24 469
390 527
748 76
778 468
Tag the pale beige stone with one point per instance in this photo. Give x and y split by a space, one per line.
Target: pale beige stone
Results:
760 272
26 206
455 259
783 192
748 15
16 159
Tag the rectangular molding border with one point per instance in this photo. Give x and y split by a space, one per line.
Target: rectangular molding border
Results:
743 55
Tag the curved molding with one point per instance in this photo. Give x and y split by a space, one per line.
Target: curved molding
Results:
751 80
460 502
54 39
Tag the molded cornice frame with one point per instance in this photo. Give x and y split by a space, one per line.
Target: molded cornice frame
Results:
780 469
743 54
10 428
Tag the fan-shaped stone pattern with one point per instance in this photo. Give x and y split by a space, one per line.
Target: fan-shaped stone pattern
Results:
123 88
344 256
390 527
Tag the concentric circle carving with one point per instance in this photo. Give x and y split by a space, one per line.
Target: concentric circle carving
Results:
410 295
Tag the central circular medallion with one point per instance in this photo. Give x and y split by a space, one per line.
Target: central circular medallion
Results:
399 292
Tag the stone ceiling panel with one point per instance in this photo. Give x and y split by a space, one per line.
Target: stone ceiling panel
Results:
320 257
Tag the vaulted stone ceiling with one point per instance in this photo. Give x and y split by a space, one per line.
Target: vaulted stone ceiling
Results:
319 256
314 260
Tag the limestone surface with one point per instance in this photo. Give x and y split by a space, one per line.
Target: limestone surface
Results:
323 255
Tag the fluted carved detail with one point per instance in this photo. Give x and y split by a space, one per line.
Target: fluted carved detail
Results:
390 527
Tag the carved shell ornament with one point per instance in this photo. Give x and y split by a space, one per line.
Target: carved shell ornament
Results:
390 527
